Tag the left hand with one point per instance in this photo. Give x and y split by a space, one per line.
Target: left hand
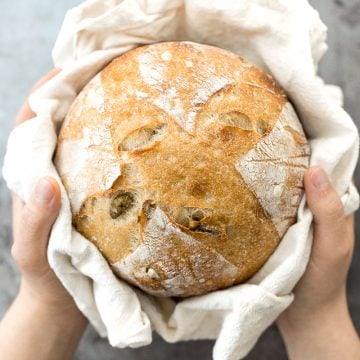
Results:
32 223
43 312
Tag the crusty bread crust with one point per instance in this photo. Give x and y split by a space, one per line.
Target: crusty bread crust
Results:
184 165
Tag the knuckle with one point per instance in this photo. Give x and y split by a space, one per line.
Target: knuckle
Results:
326 191
333 206
344 252
336 213
24 261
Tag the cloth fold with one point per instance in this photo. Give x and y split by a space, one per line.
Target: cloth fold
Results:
285 38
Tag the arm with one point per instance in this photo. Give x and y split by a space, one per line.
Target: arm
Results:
318 324
33 330
43 322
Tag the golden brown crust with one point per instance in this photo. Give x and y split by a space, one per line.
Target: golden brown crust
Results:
179 118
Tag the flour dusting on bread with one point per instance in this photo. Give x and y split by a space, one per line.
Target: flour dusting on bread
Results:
95 95
205 83
156 261
94 164
274 169
152 72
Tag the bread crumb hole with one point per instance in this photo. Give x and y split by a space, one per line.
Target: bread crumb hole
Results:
142 137
261 126
121 203
152 273
236 119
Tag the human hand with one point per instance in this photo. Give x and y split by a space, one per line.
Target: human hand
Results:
318 320
32 223
59 323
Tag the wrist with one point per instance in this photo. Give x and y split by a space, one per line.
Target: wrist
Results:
63 312
297 319
323 332
32 322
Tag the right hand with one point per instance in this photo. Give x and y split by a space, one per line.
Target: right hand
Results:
320 306
324 281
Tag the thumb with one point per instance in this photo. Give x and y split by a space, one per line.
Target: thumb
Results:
37 218
327 208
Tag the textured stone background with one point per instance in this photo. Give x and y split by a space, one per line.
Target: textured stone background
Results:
27 32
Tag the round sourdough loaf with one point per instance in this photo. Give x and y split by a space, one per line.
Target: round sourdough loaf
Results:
184 166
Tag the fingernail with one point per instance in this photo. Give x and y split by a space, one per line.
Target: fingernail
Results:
44 191
319 177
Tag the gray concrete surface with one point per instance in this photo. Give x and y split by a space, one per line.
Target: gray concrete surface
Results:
27 32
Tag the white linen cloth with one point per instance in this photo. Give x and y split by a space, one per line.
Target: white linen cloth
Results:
284 37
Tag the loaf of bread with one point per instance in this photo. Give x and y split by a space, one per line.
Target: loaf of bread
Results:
184 166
